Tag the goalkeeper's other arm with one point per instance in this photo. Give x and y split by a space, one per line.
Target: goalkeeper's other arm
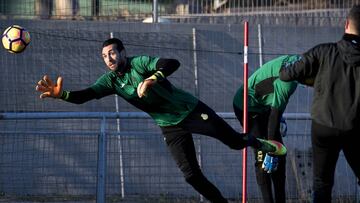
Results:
164 67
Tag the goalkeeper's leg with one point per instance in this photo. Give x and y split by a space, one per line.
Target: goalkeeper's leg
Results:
181 146
204 120
256 125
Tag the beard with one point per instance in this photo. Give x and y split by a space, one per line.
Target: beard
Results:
121 67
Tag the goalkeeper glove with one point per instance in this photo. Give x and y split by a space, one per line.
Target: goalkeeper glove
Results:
270 163
144 86
48 88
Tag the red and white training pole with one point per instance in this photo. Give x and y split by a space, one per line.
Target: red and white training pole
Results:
245 110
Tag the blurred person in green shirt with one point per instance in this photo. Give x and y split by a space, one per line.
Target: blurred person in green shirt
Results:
268 97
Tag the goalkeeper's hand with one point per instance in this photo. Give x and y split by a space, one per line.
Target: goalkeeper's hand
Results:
144 86
270 163
48 88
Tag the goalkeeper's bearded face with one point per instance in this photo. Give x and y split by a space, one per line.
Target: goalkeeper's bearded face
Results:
114 60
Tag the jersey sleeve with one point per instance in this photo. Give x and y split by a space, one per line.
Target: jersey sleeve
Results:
167 66
282 92
145 64
303 69
78 97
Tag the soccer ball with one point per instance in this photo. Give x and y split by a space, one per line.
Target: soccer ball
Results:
15 39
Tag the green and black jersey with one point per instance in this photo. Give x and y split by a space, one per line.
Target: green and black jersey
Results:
267 94
165 103
265 89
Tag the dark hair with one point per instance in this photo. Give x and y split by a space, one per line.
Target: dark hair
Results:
119 44
354 17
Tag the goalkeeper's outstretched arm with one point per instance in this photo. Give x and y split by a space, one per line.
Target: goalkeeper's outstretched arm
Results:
78 97
52 90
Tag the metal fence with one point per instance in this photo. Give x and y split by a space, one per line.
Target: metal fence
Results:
53 172
61 157
168 10
105 165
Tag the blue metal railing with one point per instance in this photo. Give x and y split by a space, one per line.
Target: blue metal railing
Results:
102 136
116 115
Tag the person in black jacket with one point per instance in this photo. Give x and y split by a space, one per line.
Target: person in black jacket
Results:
333 69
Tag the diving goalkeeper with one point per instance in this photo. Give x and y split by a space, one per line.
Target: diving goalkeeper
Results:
141 80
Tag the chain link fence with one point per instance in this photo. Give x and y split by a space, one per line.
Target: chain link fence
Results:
168 10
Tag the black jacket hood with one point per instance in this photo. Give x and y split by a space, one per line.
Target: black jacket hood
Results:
349 48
